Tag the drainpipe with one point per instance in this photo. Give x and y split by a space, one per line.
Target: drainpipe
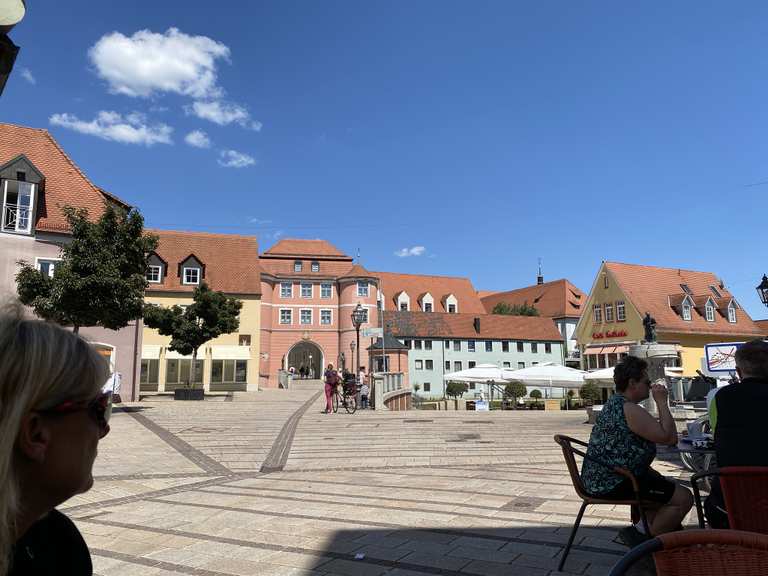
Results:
134 387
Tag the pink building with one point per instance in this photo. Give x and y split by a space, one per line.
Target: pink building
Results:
309 290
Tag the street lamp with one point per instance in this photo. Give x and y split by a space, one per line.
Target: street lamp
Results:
358 317
762 290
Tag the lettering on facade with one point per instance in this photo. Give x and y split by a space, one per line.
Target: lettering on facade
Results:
611 334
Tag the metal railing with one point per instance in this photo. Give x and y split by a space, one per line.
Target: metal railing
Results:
15 218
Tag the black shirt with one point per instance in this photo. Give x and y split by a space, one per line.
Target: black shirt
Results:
52 546
740 430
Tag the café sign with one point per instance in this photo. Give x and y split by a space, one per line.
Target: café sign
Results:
611 334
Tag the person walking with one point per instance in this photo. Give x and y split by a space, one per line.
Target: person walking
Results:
52 416
331 379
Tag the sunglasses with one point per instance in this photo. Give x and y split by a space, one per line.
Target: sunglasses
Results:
96 408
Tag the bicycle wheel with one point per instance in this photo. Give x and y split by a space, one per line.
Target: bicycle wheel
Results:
350 403
335 402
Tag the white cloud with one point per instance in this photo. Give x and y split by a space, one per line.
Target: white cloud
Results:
223 113
27 75
234 159
129 129
198 139
149 62
413 251
260 222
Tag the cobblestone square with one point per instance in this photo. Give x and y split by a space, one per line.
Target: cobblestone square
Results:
268 484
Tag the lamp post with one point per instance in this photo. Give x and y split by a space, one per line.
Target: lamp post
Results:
358 317
762 290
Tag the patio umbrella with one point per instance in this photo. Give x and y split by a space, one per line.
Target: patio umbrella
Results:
488 374
600 376
547 376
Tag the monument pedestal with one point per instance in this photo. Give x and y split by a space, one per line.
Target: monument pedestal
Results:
658 356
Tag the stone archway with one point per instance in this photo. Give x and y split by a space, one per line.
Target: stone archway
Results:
306 354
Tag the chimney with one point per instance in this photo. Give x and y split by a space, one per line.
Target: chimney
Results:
476 324
540 277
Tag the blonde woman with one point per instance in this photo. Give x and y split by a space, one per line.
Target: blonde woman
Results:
52 416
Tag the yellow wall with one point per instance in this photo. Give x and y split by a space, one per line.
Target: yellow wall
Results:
250 323
692 348
633 325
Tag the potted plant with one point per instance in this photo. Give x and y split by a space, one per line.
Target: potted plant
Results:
455 390
590 393
515 390
536 395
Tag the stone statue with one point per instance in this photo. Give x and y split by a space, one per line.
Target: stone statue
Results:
650 328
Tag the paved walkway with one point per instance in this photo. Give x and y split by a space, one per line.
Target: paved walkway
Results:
271 485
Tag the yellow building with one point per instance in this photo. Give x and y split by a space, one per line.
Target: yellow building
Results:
227 263
691 309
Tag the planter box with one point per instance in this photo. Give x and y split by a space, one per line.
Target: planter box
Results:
188 394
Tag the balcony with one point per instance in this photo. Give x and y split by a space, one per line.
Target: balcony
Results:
16 218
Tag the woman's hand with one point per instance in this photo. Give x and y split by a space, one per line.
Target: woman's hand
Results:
659 393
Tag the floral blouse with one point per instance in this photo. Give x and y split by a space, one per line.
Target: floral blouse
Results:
614 443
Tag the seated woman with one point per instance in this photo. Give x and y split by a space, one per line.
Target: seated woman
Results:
52 416
626 435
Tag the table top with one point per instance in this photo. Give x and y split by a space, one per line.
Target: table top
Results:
683 446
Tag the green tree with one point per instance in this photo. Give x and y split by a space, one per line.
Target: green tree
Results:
100 280
523 309
590 391
455 389
210 315
535 394
515 390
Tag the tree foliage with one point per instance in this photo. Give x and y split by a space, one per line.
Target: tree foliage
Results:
523 309
515 390
590 391
210 315
455 389
535 394
100 280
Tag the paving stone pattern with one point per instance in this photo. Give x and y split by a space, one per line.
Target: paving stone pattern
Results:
268 484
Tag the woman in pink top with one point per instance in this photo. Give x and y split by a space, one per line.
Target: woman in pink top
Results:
331 378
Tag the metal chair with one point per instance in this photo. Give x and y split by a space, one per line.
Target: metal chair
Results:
566 443
745 490
701 553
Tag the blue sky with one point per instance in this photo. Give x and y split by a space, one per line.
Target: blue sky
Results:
475 137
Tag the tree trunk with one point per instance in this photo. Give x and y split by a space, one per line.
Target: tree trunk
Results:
75 329
192 369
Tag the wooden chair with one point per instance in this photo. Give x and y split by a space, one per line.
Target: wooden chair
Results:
569 452
745 490
701 553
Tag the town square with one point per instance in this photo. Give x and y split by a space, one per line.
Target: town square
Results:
342 288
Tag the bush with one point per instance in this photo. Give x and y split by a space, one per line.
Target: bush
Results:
535 394
590 392
455 389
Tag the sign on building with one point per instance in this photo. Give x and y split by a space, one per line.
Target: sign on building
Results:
721 357
372 332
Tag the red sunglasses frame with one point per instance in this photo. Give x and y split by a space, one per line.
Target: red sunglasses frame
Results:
97 408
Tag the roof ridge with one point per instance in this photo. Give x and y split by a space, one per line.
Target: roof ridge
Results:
22 126
195 233
425 275
662 267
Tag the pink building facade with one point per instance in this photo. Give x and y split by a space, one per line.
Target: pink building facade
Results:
309 291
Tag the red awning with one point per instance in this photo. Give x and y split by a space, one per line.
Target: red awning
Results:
594 350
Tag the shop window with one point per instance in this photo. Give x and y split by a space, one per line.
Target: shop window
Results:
229 371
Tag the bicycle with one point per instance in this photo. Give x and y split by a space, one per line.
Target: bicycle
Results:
347 398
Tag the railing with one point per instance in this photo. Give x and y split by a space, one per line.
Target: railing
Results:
15 218
284 379
387 385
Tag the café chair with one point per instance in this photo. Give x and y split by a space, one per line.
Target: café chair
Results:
569 453
701 553
745 491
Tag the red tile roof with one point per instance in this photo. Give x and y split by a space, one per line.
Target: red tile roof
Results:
492 326
762 325
556 299
483 293
650 288
298 248
231 262
329 269
64 182
438 286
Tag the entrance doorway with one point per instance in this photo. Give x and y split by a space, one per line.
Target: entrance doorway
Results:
308 355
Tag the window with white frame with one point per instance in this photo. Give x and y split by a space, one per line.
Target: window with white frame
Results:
686 310
362 288
297 266
447 344
547 348
470 345
520 346
472 385
427 306
608 312
326 290
447 365
48 265
488 346
534 348
404 306
154 274
731 313
457 345
598 313
229 371
621 311
451 308
429 365
709 310
419 364
305 316
315 266
417 345
520 365
505 346
326 317
427 344
18 206
507 365
427 387
457 366
306 290
286 316
190 275
286 290
471 364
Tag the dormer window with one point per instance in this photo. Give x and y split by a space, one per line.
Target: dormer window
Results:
426 302
404 306
18 206
732 313
686 310
190 275
427 307
297 266
154 274
450 303
403 301
709 311
451 308
315 266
